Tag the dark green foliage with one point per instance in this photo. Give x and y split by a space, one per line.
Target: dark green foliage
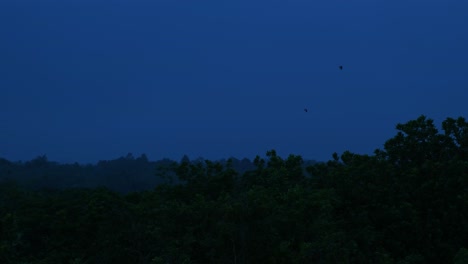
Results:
125 174
408 203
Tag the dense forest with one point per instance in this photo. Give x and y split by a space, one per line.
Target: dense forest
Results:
406 203
124 175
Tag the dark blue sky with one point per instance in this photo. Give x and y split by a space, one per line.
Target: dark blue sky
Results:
94 79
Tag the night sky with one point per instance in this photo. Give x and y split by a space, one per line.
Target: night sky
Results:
89 80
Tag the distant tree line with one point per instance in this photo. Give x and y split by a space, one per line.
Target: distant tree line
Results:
125 174
405 204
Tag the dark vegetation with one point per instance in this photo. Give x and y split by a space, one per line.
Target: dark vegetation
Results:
124 175
407 203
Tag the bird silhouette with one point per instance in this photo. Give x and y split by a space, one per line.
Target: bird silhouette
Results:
341 67
305 110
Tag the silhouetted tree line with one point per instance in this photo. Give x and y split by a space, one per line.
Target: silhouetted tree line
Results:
125 174
406 203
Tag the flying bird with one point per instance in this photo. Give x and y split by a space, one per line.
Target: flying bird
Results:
341 67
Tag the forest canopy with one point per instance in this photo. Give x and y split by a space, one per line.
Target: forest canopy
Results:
406 203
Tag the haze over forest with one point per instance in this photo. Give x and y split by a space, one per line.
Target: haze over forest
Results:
405 204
